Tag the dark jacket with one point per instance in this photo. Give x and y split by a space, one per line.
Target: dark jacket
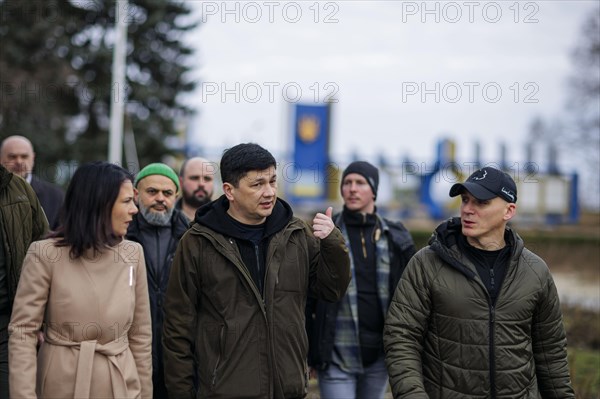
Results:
51 197
22 221
321 316
247 345
158 268
444 339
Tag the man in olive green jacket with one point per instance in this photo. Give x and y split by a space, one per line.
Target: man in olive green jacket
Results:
476 314
234 309
22 221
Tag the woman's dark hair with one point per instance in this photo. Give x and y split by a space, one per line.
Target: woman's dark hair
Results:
86 216
237 161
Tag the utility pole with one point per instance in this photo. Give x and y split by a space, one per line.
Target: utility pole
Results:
119 95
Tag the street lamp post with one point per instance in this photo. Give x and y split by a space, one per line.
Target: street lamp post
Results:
119 95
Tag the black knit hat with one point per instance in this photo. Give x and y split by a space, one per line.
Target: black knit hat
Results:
365 169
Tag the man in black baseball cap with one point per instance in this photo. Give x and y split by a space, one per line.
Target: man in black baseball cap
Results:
482 302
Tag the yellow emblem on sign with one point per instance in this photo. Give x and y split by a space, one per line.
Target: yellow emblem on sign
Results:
308 128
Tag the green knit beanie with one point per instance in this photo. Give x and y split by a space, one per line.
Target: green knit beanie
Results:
157 169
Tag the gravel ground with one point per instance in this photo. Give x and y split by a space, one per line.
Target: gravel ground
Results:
313 391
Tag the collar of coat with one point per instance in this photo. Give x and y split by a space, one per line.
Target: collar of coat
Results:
444 242
214 216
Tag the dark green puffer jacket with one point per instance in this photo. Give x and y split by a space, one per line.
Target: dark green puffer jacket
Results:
443 338
22 221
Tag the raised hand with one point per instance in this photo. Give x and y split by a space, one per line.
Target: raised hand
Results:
323 224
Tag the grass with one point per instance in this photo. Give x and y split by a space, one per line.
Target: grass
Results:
583 339
585 372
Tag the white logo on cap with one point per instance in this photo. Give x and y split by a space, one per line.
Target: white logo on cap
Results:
508 193
482 177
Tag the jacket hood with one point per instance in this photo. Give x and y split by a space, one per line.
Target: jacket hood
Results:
214 216
444 242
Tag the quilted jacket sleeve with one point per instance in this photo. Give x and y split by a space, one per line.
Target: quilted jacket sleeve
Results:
405 326
550 345
38 217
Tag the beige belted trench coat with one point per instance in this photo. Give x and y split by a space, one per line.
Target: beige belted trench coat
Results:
96 320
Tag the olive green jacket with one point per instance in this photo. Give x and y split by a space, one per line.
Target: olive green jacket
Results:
444 339
239 343
22 221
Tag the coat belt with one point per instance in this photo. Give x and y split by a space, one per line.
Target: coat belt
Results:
85 363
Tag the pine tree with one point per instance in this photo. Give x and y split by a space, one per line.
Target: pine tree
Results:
55 75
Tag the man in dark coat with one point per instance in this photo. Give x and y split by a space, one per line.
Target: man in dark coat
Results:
234 309
476 314
157 227
16 154
346 338
22 221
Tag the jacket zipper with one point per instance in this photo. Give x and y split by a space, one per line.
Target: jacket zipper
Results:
221 350
492 329
260 300
256 253
491 324
168 258
155 272
362 236
263 308
492 352
364 245
159 272
269 339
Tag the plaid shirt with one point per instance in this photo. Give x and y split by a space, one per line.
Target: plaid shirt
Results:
346 352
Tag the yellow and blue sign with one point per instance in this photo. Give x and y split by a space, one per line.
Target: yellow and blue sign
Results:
311 153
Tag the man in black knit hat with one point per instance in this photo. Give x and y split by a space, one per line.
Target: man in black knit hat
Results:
346 338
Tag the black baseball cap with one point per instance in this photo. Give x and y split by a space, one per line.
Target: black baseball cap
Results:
487 183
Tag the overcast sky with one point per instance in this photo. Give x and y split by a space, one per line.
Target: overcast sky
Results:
404 74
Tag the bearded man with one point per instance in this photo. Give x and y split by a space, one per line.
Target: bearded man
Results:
197 179
157 227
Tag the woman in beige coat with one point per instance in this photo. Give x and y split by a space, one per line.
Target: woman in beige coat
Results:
86 289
